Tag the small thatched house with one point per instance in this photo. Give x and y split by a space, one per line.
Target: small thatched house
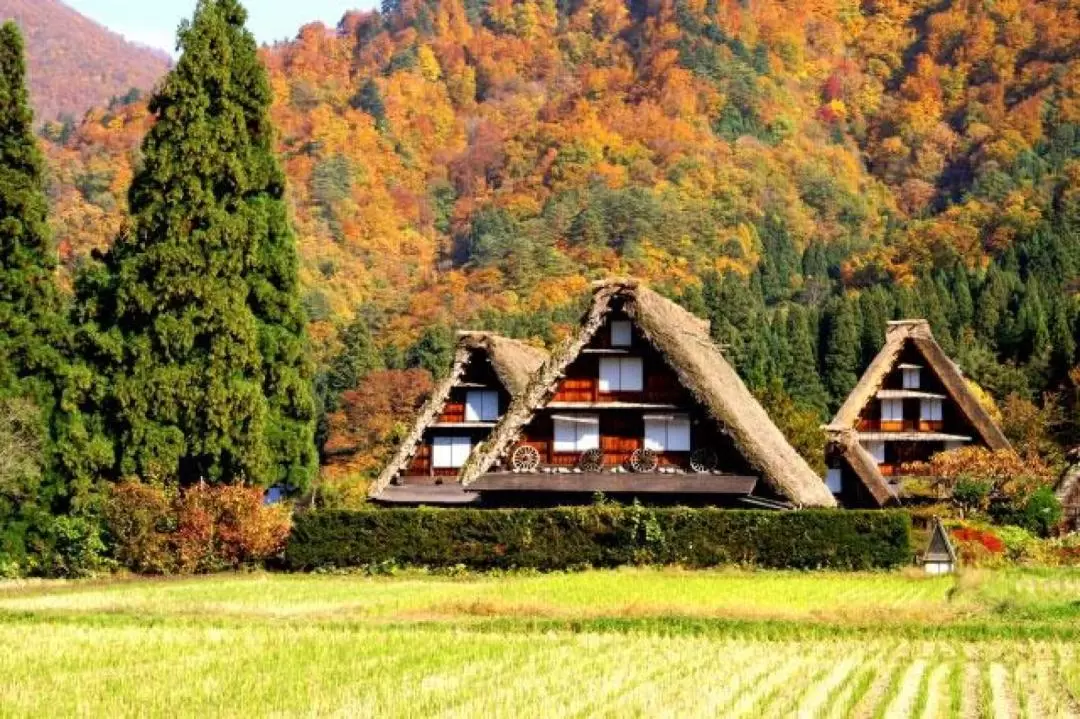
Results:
640 402
911 403
488 371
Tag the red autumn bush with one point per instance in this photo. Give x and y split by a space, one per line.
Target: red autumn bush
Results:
158 530
978 547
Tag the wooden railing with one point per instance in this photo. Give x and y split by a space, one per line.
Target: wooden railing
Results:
907 425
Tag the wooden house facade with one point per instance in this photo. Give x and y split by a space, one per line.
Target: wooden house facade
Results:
910 404
641 403
487 372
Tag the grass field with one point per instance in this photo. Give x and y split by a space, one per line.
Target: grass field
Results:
613 643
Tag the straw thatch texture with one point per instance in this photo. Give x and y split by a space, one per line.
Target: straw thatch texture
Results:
514 363
684 341
898 336
862 463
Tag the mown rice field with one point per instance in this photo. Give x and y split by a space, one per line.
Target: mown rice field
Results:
614 643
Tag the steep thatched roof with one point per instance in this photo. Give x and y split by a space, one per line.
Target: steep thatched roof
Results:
898 336
862 463
917 333
514 363
684 341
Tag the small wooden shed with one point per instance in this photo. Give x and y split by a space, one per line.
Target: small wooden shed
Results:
940 556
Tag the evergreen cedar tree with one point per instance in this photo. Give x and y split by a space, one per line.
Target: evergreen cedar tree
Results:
33 328
194 316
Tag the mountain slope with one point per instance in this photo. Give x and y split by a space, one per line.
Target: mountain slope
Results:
76 64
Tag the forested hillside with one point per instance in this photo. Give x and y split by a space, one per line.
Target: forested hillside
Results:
799 172
76 64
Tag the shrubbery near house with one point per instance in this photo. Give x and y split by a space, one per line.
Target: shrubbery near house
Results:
157 529
599 536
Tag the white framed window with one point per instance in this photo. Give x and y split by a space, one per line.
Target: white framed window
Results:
931 410
621 336
834 480
892 410
876 448
621 374
576 433
450 452
912 378
667 433
481 406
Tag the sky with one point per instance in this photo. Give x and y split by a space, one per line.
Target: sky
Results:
154 22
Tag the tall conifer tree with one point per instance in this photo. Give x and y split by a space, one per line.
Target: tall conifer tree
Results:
31 318
195 314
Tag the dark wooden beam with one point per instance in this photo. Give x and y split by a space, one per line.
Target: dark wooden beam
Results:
648 483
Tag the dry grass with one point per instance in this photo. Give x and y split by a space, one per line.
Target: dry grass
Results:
591 644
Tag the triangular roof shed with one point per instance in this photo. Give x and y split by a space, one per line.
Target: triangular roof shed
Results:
684 342
899 336
514 363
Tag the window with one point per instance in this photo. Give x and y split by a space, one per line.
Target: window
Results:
450 451
931 410
620 333
912 378
892 410
481 406
834 480
667 433
621 374
876 448
577 433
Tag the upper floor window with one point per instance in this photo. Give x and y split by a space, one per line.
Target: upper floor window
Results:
892 410
667 433
481 406
621 336
931 410
621 374
578 433
450 452
912 377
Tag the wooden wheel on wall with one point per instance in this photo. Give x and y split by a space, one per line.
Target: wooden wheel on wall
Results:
592 460
703 460
644 460
525 458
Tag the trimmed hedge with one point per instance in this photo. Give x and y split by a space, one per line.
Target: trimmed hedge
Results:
599 536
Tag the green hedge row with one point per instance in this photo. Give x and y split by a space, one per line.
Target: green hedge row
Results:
599 536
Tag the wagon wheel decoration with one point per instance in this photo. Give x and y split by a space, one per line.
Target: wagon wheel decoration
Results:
525 458
644 460
703 460
591 461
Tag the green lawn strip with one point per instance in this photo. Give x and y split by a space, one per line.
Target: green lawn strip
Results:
956 688
986 691
762 630
854 688
922 694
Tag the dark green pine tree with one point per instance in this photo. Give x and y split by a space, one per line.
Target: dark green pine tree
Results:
802 380
195 316
841 350
31 313
32 322
273 280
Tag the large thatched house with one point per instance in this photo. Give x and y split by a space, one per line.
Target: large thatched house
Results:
911 403
487 372
640 402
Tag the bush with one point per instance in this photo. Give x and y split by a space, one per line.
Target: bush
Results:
599 536
1039 513
156 530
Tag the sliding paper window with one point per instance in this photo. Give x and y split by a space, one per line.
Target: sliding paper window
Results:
576 433
481 406
621 374
450 452
667 433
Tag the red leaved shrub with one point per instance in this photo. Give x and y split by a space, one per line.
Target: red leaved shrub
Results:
203 528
